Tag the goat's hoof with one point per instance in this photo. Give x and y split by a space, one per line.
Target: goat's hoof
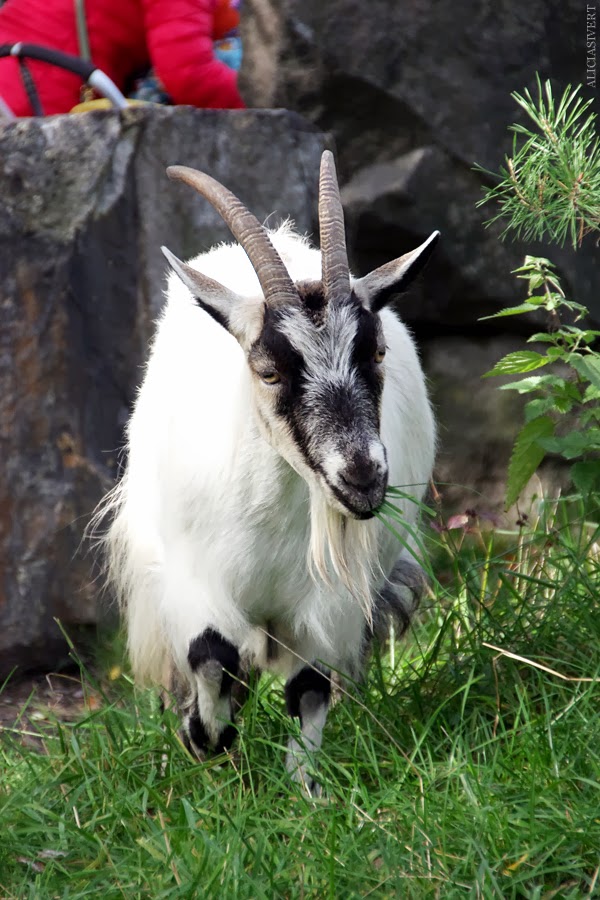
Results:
301 776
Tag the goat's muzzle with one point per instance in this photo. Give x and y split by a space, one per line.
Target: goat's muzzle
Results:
361 485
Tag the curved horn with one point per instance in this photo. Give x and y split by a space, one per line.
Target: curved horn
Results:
278 287
335 270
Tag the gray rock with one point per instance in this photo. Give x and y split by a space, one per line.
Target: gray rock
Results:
84 207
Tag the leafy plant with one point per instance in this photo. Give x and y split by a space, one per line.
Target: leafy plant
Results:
572 388
550 188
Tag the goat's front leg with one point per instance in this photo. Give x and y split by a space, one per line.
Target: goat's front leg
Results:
307 697
214 664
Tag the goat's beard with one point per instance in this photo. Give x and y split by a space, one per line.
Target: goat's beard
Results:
344 548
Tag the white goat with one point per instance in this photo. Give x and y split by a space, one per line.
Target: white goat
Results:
279 398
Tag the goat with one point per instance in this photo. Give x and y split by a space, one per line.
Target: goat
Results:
280 397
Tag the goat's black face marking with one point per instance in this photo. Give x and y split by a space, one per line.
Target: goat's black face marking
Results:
313 301
329 392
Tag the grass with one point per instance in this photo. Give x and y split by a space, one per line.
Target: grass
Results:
456 771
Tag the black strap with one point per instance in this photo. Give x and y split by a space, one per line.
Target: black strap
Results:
54 57
30 88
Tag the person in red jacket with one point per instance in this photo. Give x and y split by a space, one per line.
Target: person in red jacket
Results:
175 37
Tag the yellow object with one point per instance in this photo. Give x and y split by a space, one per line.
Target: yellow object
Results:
103 103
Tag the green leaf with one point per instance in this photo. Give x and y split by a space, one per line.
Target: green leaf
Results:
589 415
511 311
533 383
532 261
591 393
574 444
589 336
562 404
518 363
535 280
542 337
536 408
526 456
586 476
588 367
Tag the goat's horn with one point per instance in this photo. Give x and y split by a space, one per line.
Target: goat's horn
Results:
278 287
334 259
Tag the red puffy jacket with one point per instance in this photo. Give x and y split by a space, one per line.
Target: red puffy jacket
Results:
126 36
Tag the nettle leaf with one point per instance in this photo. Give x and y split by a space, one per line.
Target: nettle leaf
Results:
542 337
536 408
534 383
519 362
586 335
586 476
511 311
590 415
527 455
531 261
535 281
574 444
588 367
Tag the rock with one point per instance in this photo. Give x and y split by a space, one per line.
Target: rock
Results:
414 95
84 207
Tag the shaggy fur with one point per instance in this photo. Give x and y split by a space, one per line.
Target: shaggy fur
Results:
229 518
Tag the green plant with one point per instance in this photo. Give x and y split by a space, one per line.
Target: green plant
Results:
564 415
550 188
466 766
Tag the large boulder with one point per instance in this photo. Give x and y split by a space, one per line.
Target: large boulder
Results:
84 208
414 95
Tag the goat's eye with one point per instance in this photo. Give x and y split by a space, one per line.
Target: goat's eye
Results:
270 377
379 355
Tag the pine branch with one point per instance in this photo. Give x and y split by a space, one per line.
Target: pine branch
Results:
550 185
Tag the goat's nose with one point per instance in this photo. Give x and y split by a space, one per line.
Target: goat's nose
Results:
362 473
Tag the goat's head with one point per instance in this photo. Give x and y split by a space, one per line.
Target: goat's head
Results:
315 350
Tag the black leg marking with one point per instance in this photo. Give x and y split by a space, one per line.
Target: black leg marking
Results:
198 732
226 739
309 678
307 696
215 664
210 646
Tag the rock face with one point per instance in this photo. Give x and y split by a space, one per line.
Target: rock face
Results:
84 207
414 95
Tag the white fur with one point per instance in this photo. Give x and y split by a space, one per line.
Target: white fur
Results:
213 528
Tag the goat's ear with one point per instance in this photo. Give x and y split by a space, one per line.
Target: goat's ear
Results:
241 317
377 288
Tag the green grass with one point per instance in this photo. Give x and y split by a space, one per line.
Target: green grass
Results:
457 771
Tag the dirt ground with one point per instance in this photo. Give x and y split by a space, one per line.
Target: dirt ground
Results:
27 703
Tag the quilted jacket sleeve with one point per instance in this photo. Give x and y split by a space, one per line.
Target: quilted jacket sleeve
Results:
179 36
